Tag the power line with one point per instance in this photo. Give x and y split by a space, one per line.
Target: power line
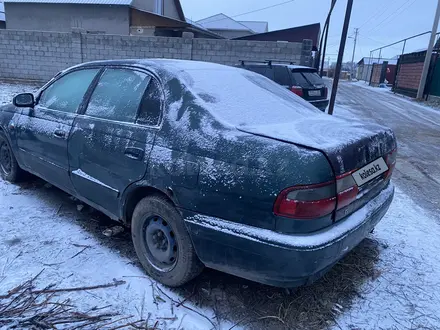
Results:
393 14
375 13
253 11
268 7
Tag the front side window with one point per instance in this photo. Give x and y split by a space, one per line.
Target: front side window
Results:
118 95
67 92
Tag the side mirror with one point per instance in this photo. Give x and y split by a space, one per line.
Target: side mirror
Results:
24 100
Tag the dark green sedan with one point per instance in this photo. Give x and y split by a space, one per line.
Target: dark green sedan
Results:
208 165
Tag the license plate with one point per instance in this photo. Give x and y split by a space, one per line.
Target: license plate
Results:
370 171
315 93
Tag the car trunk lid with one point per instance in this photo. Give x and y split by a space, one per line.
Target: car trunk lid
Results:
351 148
348 145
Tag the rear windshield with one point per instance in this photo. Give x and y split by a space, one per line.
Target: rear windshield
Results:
313 77
239 97
307 78
299 79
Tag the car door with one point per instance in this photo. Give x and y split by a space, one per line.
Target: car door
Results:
111 141
43 131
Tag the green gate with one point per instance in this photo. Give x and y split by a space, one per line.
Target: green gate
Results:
434 88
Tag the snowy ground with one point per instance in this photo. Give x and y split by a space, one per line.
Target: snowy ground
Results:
390 281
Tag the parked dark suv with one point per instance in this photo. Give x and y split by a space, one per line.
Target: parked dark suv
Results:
301 80
208 165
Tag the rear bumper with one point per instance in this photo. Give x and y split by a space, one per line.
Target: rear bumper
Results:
277 259
321 104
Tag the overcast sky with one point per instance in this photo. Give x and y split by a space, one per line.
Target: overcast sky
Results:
380 22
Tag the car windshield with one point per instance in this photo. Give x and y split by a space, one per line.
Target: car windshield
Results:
241 97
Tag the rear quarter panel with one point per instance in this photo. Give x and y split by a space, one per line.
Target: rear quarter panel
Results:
216 170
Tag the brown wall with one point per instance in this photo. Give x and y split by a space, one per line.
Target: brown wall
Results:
375 76
409 75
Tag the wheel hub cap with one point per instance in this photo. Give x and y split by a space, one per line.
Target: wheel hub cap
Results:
161 243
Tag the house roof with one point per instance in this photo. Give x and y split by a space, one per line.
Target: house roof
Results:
256 26
84 2
95 2
376 60
222 22
295 34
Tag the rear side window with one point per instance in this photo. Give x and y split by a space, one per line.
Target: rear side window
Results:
118 95
282 76
67 93
151 106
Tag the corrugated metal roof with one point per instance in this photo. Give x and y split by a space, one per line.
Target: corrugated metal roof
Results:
82 2
222 22
257 27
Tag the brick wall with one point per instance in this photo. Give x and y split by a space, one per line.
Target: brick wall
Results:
375 75
409 75
40 55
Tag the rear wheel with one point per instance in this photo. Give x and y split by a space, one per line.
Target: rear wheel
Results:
162 242
9 168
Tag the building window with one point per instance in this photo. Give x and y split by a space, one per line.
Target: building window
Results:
159 7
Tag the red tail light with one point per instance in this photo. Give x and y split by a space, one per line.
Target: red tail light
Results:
390 159
306 202
315 201
297 90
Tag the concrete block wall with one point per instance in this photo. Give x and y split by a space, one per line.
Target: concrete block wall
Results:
105 47
40 55
230 52
35 55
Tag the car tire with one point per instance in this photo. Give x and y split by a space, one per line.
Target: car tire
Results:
9 168
162 242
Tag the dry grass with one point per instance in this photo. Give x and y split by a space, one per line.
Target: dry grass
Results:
26 307
257 306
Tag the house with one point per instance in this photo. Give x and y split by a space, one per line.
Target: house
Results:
229 28
365 66
295 34
121 17
2 16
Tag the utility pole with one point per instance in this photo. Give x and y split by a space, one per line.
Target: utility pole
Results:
429 53
340 57
356 31
323 47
